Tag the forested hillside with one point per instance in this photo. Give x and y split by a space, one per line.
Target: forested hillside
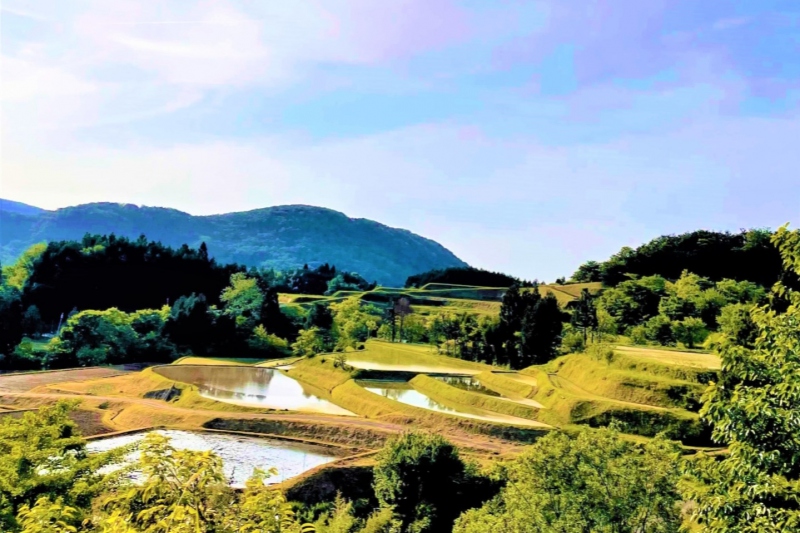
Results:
747 255
283 237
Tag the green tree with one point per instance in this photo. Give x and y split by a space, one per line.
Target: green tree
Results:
690 331
43 456
354 322
422 477
592 482
659 329
584 314
540 332
266 344
32 321
753 410
309 342
736 324
243 300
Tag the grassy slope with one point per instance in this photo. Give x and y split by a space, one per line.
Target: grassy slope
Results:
388 353
641 395
634 386
505 384
441 391
137 384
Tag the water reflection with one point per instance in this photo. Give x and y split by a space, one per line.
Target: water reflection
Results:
403 392
252 386
240 454
467 383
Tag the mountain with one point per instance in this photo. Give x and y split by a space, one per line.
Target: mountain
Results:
280 237
10 206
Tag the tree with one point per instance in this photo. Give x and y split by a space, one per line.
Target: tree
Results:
266 344
736 324
190 325
584 313
32 321
354 322
594 481
11 329
753 410
540 332
422 477
402 308
309 342
243 300
588 272
42 455
690 331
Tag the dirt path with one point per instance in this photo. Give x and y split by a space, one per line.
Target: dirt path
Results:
30 380
479 442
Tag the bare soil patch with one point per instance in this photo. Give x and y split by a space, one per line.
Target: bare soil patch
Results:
29 381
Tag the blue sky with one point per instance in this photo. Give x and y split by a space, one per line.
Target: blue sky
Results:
526 136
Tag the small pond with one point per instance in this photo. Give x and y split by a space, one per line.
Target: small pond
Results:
240 454
253 387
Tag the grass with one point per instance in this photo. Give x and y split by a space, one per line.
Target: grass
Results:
628 385
235 361
672 356
319 372
439 390
580 389
504 384
137 384
413 355
568 293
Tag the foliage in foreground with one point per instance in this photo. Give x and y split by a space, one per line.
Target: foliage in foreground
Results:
594 481
755 411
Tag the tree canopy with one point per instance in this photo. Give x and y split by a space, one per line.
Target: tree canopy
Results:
747 255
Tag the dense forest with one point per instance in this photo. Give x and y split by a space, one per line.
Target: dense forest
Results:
282 237
464 276
119 300
747 255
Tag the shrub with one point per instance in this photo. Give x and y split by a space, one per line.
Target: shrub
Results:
573 342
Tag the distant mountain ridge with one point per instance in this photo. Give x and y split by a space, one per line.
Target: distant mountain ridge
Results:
10 206
280 237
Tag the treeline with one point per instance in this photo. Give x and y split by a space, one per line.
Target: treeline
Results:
114 300
527 331
692 310
465 276
747 255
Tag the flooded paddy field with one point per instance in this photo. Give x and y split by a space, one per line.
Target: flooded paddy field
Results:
404 392
253 387
240 454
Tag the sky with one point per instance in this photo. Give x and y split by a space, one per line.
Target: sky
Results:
526 136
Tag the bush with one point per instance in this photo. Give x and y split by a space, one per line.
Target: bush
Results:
573 342
602 352
638 335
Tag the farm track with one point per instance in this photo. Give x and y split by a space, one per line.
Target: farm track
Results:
26 381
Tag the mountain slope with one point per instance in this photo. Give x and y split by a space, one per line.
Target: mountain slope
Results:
10 206
280 237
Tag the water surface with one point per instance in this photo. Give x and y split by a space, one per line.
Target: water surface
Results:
467 383
253 387
404 393
240 454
